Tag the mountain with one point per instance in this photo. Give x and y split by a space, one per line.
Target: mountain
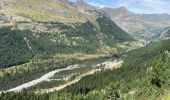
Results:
142 26
41 11
82 5
50 26
56 49
89 10
40 36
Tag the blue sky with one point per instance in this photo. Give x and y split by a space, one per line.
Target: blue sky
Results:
138 6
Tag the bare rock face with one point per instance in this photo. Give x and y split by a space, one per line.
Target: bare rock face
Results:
87 9
81 4
165 34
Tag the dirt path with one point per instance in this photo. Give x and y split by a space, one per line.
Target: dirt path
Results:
68 83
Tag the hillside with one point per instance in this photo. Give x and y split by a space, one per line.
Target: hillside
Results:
60 50
41 10
29 14
165 34
80 37
39 36
52 24
143 75
18 50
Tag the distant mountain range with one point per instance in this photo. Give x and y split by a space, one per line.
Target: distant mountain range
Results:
141 26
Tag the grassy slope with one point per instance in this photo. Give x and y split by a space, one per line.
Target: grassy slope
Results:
42 10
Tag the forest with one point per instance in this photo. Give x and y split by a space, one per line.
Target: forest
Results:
84 50
144 74
18 51
145 71
23 45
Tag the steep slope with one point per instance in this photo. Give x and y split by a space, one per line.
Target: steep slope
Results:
165 34
14 48
39 36
88 10
84 37
54 27
41 10
143 75
142 26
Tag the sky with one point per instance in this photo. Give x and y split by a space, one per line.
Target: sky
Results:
137 6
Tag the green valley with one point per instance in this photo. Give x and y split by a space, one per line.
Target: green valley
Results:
75 50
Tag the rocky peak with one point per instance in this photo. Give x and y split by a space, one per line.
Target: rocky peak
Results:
81 4
80 1
122 8
88 9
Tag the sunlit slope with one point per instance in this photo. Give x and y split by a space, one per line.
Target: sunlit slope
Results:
43 10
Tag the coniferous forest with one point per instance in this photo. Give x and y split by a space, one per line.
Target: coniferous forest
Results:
144 74
84 50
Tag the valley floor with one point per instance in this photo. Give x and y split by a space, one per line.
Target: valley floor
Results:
107 64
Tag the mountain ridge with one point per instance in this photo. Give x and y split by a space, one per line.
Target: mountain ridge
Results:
139 25
93 33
